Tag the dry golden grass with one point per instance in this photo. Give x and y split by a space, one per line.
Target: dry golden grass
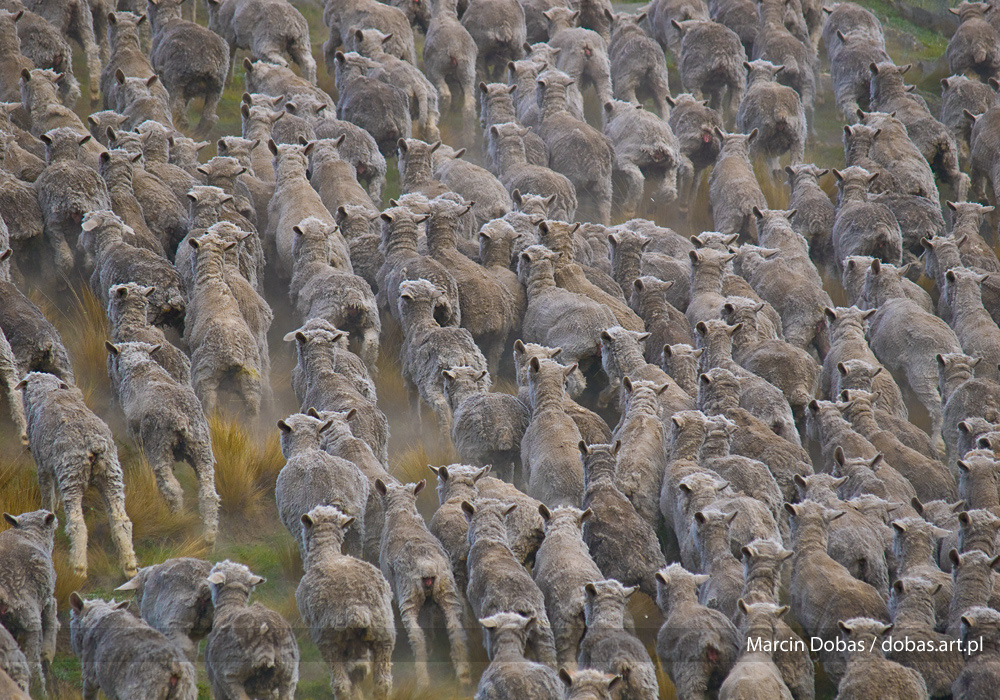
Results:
18 485
246 466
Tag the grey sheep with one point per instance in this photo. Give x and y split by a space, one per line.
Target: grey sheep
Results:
588 684
868 672
966 223
896 154
864 226
665 323
360 89
347 604
75 21
621 357
754 674
711 63
776 112
733 188
122 656
499 30
225 353
660 13
321 290
487 427
975 45
116 168
814 212
849 15
642 457
973 325
166 418
491 562
174 598
507 149
343 17
175 42
27 586
450 57
417 567
973 573
490 199
726 582
429 348
607 646
982 670
40 45
696 645
117 261
73 448
312 477
852 49
580 53
846 327
860 375
251 650
775 43
638 68
960 94
823 592
563 566
9 377
914 618
510 674
694 123
647 157
964 396
266 28
126 56
14 673
888 94
616 522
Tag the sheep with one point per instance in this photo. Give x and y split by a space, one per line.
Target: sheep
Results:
156 159
898 155
621 357
313 477
347 604
967 221
417 568
499 31
510 674
429 348
14 673
359 88
507 149
975 45
123 656
265 28
823 592
975 329
711 63
588 684
888 94
344 17
733 188
815 213
659 16
176 43
497 581
563 566
754 673
915 544
580 53
982 669
73 448
607 646
251 649
641 459
775 43
488 195
960 94
863 226
487 427
126 56
322 290
75 21
225 354
43 44
27 587
637 64
852 49
615 521
174 598
165 417
450 58
913 618
726 582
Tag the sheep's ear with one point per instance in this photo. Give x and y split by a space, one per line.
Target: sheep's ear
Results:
130 585
582 446
838 455
306 520
544 512
285 427
590 589
110 347
790 508
565 677
468 509
510 509
76 602
419 486
256 580
380 487
10 519
272 147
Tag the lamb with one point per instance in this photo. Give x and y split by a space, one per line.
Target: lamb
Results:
638 68
888 94
975 45
608 647
616 522
510 674
73 448
117 261
507 148
754 673
647 157
492 304
576 150
225 352
776 112
251 649
174 598
487 427
711 63
27 587
35 343
66 191
450 57
347 604
321 290
492 562
913 618
175 42
696 645
123 656
267 29
733 188
165 417
563 566
823 592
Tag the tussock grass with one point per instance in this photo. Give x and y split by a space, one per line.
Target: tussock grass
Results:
151 518
246 466
18 486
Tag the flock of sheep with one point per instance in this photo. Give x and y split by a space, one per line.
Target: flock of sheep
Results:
696 418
